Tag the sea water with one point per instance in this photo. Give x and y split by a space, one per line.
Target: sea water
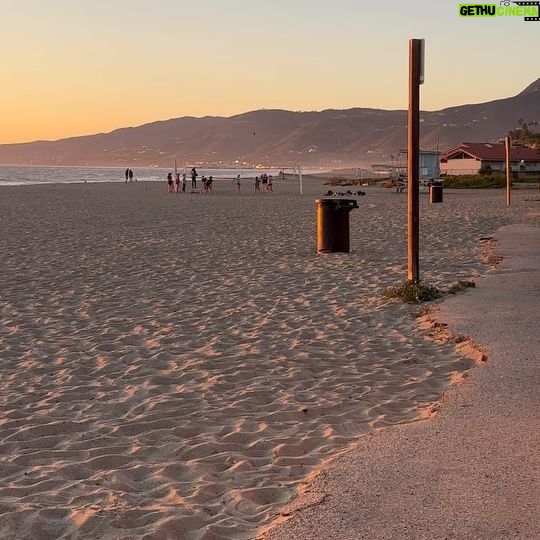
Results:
11 175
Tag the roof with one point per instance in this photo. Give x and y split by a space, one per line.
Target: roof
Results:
492 152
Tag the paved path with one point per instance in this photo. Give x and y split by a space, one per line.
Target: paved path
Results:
473 471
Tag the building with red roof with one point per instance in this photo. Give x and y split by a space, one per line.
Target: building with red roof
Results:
470 158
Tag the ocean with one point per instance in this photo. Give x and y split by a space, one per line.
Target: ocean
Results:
12 175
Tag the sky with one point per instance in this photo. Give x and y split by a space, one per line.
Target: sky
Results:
78 67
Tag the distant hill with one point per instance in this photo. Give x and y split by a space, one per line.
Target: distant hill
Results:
352 137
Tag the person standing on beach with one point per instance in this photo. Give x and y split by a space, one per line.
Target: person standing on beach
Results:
170 183
130 174
257 186
183 182
127 175
177 182
194 178
237 182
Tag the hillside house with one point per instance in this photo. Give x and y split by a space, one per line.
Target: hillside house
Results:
470 158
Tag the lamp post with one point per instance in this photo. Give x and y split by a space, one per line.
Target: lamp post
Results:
416 78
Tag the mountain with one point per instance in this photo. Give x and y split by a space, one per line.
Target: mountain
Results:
352 137
531 89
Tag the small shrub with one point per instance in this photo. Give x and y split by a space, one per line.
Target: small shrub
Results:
412 292
475 181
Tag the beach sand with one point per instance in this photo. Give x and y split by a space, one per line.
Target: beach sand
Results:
472 471
176 365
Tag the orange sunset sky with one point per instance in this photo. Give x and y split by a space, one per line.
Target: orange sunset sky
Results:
75 68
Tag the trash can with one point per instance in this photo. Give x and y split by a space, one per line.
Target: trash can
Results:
332 218
436 192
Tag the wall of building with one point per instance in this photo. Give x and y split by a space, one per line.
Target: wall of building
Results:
460 166
530 166
515 166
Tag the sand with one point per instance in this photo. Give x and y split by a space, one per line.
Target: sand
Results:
473 470
175 366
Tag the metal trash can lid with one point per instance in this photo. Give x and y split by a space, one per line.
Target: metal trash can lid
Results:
325 200
338 202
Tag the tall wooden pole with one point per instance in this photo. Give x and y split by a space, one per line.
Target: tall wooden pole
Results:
507 144
413 160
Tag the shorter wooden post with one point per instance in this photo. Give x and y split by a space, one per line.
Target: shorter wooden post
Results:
507 145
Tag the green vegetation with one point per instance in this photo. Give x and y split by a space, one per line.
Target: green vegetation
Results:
526 134
484 180
474 181
487 180
412 292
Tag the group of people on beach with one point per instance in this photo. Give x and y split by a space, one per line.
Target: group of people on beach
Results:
206 182
178 184
171 184
266 182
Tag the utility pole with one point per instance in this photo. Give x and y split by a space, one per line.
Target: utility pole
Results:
416 78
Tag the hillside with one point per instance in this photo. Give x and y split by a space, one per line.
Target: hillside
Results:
359 136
